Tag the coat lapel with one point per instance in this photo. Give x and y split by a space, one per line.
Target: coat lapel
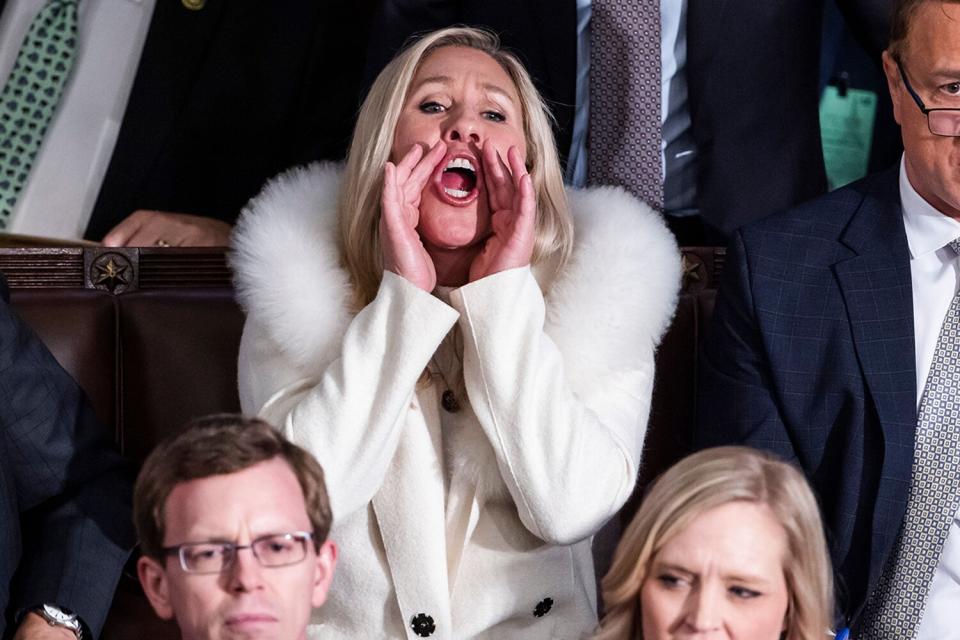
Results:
704 26
410 515
172 56
878 293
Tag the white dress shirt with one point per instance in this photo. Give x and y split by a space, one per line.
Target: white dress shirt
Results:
934 272
65 180
678 151
577 159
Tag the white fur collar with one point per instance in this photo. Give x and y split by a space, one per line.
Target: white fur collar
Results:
616 294
287 265
606 311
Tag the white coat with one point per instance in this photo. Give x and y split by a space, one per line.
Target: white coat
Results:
476 523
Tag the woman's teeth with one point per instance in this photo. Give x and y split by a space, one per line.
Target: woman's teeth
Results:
460 163
459 178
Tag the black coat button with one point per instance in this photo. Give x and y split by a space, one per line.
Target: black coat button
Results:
449 401
422 625
543 607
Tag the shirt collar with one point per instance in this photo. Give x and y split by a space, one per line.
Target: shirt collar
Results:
927 229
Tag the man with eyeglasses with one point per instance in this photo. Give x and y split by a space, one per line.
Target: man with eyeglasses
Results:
233 521
836 343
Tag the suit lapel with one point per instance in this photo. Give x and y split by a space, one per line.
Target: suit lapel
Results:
172 56
878 293
410 515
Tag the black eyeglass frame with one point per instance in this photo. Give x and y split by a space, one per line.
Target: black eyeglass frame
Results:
231 549
923 108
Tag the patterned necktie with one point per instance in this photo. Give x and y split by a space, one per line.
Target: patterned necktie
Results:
31 94
896 607
624 134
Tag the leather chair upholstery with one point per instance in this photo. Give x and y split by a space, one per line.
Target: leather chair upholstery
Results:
178 360
78 328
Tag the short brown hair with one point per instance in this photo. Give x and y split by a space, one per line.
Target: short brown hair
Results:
218 445
903 12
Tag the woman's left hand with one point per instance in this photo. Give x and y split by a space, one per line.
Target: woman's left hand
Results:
513 207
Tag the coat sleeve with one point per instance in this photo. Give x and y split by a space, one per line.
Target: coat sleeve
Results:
349 412
70 488
568 458
737 403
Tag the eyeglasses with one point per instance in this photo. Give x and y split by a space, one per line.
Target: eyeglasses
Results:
940 121
275 550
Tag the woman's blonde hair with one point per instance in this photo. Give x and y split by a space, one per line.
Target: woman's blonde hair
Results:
372 143
699 483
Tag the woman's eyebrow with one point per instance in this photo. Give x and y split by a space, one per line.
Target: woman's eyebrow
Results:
499 91
729 576
747 578
671 567
444 80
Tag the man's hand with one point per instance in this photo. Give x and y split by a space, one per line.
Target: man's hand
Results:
34 627
144 228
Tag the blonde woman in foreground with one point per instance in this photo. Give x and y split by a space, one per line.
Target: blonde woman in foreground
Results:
466 348
728 544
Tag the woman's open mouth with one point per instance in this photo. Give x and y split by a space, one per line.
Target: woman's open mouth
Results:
457 180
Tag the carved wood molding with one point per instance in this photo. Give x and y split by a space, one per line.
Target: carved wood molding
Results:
120 270
115 270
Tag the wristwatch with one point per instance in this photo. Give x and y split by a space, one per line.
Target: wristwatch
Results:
60 617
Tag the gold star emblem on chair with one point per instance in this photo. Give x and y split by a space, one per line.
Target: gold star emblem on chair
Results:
111 275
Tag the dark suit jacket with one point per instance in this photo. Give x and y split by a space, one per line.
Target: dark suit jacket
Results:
752 73
811 356
543 33
228 96
65 528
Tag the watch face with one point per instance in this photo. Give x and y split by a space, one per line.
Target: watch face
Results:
62 617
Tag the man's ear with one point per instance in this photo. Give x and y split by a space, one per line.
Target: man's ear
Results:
894 83
325 563
153 579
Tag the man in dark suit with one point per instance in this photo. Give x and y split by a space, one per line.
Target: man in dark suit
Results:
752 71
828 321
65 528
227 93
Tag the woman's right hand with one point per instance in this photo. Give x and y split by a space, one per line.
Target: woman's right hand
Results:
400 244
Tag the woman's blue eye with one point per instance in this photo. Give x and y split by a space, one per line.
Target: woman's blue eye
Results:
744 593
432 107
668 580
495 116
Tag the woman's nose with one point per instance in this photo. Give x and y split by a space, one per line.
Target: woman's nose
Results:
704 610
462 127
